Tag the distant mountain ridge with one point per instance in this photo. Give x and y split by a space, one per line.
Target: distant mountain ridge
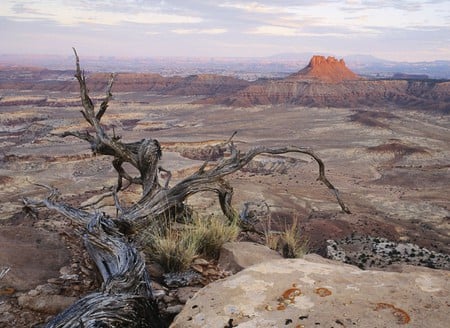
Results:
280 65
64 80
324 82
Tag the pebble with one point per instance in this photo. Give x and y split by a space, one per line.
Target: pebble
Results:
168 299
85 270
65 270
155 270
50 289
33 292
186 293
70 277
174 309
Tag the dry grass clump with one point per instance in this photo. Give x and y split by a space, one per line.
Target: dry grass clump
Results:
294 244
211 233
174 246
169 246
289 242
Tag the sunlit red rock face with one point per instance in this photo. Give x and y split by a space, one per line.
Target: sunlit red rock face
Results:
327 82
325 69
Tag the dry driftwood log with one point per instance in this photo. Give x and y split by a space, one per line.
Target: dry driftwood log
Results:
125 298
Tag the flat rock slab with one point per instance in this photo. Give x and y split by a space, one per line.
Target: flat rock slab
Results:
235 256
320 293
32 255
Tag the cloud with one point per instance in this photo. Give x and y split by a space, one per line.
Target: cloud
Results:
318 32
200 31
68 13
151 33
254 27
356 15
253 7
273 30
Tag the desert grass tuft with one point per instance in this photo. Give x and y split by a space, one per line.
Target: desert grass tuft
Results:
175 245
271 238
170 246
289 242
210 233
294 244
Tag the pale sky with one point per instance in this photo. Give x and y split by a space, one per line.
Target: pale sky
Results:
409 30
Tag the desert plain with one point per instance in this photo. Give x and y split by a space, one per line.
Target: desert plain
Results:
390 165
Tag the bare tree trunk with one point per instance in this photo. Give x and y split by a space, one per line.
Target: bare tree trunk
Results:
125 298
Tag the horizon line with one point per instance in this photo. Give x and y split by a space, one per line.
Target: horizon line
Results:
274 56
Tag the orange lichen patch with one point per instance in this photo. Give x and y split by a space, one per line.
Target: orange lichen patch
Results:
287 297
7 291
291 293
322 291
401 315
281 307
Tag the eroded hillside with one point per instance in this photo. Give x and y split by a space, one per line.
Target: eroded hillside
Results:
325 82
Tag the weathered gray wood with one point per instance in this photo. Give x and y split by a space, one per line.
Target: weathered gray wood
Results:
125 298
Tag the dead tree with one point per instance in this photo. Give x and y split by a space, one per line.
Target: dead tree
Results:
125 298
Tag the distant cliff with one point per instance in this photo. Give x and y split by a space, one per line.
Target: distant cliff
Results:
427 95
324 82
327 82
53 80
325 69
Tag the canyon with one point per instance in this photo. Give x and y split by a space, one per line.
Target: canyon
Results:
324 82
385 144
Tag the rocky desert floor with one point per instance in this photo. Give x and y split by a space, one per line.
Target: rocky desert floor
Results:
391 166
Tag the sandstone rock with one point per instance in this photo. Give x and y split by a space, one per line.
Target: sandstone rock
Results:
239 255
303 293
325 69
51 304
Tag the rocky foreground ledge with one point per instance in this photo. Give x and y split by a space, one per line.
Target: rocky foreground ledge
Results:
315 292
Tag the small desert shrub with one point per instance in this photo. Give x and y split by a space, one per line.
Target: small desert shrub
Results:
175 245
294 245
288 242
271 238
171 247
209 234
